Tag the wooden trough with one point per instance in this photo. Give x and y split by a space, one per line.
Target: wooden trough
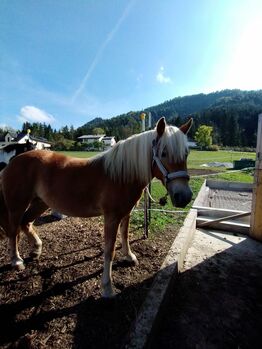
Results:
224 206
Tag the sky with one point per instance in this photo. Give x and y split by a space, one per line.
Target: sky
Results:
66 62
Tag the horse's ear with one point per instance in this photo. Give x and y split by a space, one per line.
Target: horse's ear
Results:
186 127
160 126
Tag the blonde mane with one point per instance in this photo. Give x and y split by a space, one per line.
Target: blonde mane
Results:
131 159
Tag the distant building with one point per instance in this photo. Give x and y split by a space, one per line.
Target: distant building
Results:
7 138
106 141
89 139
21 138
192 144
109 141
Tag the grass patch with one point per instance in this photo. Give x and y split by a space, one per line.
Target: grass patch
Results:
161 220
197 158
79 154
245 176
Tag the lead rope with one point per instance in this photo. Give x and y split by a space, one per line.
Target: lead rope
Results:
162 201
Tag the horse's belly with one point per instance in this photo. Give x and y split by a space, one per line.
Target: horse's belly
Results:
73 205
76 210
80 212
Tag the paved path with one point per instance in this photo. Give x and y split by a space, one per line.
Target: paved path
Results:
216 302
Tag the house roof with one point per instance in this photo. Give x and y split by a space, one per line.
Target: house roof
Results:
40 139
108 138
33 138
90 136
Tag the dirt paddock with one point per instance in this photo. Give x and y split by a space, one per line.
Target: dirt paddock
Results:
56 302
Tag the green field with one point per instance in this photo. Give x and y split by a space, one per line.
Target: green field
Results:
79 154
197 158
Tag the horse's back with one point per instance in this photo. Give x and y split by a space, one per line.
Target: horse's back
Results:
65 184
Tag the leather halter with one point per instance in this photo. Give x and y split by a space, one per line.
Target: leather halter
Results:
168 176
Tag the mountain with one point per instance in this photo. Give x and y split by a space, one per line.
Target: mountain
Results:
232 113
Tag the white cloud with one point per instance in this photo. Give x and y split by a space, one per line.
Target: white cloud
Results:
33 114
162 78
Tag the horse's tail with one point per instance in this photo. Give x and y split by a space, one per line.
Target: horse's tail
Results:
3 213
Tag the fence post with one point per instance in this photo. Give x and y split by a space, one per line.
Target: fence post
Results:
143 128
256 215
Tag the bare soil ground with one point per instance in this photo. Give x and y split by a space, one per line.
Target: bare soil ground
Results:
56 302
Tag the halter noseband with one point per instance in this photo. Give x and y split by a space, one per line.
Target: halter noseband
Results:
168 176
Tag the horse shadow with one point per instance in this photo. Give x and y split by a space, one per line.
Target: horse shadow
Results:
93 315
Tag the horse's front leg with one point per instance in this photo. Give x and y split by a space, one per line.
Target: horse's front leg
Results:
110 231
128 254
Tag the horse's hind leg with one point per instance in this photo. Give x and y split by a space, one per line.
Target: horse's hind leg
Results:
110 230
14 237
128 254
36 208
34 240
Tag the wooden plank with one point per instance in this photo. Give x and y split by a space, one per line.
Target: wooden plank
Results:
256 217
226 226
202 196
211 212
234 216
216 211
232 186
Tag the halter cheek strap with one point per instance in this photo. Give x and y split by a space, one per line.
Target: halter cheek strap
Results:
168 176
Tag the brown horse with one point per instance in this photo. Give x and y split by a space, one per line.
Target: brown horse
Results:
109 184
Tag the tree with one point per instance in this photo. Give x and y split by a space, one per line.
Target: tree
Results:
98 131
203 136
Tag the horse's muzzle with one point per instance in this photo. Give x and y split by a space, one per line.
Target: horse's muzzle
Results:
181 198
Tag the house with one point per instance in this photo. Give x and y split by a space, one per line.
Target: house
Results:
90 139
192 144
39 142
7 138
109 141
21 138
106 141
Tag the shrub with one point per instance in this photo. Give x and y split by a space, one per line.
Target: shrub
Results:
213 147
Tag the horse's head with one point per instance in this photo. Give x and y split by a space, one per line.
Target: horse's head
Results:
170 152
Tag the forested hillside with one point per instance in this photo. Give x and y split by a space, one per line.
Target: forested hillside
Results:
232 113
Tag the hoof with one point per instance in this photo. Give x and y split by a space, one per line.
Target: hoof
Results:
18 265
131 259
108 295
108 292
